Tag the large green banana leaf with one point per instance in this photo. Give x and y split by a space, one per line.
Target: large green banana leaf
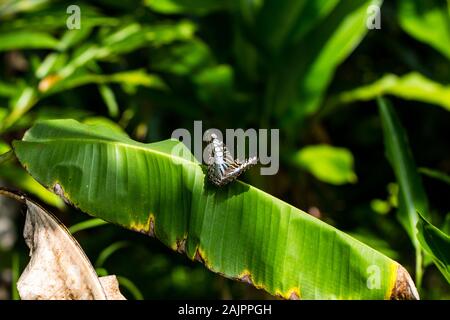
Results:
238 231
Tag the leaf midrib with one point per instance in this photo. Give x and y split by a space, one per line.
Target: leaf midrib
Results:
137 147
115 143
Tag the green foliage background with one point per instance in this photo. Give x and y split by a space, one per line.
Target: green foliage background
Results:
310 68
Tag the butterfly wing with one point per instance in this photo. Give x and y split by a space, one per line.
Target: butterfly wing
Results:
236 169
222 168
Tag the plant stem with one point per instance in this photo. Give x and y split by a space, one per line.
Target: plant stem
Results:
419 270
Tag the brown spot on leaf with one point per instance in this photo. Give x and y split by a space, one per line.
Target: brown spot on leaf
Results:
246 277
404 288
147 228
181 245
151 229
294 295
198 256
59 191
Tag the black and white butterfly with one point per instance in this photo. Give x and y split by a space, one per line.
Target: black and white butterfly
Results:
222 168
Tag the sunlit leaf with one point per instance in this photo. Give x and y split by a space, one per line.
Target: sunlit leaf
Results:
11 7
163 34
83 56
428 21
105 122
132 77
380 206
239 231
21 105
412 86
27 40
74 37
46 65
329 164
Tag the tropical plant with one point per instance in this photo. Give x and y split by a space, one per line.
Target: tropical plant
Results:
79 107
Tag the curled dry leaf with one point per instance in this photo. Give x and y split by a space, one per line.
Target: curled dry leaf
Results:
59 268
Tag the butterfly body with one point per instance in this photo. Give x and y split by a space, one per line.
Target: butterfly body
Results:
222 167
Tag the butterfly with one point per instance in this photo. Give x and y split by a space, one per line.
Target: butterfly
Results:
222 168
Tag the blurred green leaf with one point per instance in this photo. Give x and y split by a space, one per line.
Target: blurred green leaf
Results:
125 39
6 155
217 76
446 225
329 164
83 56
24 102
132 77
187 6
380 206
214 82
46 65
412 86
8 89
134 36
88 224
304 70
27 40
412 197
166 33
18 177
436 174
46 112
110 100
4 147
48 16
3 114
10 7
74 37
436 243
427 21
184 59
131 287
108 251
393 191
281 23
